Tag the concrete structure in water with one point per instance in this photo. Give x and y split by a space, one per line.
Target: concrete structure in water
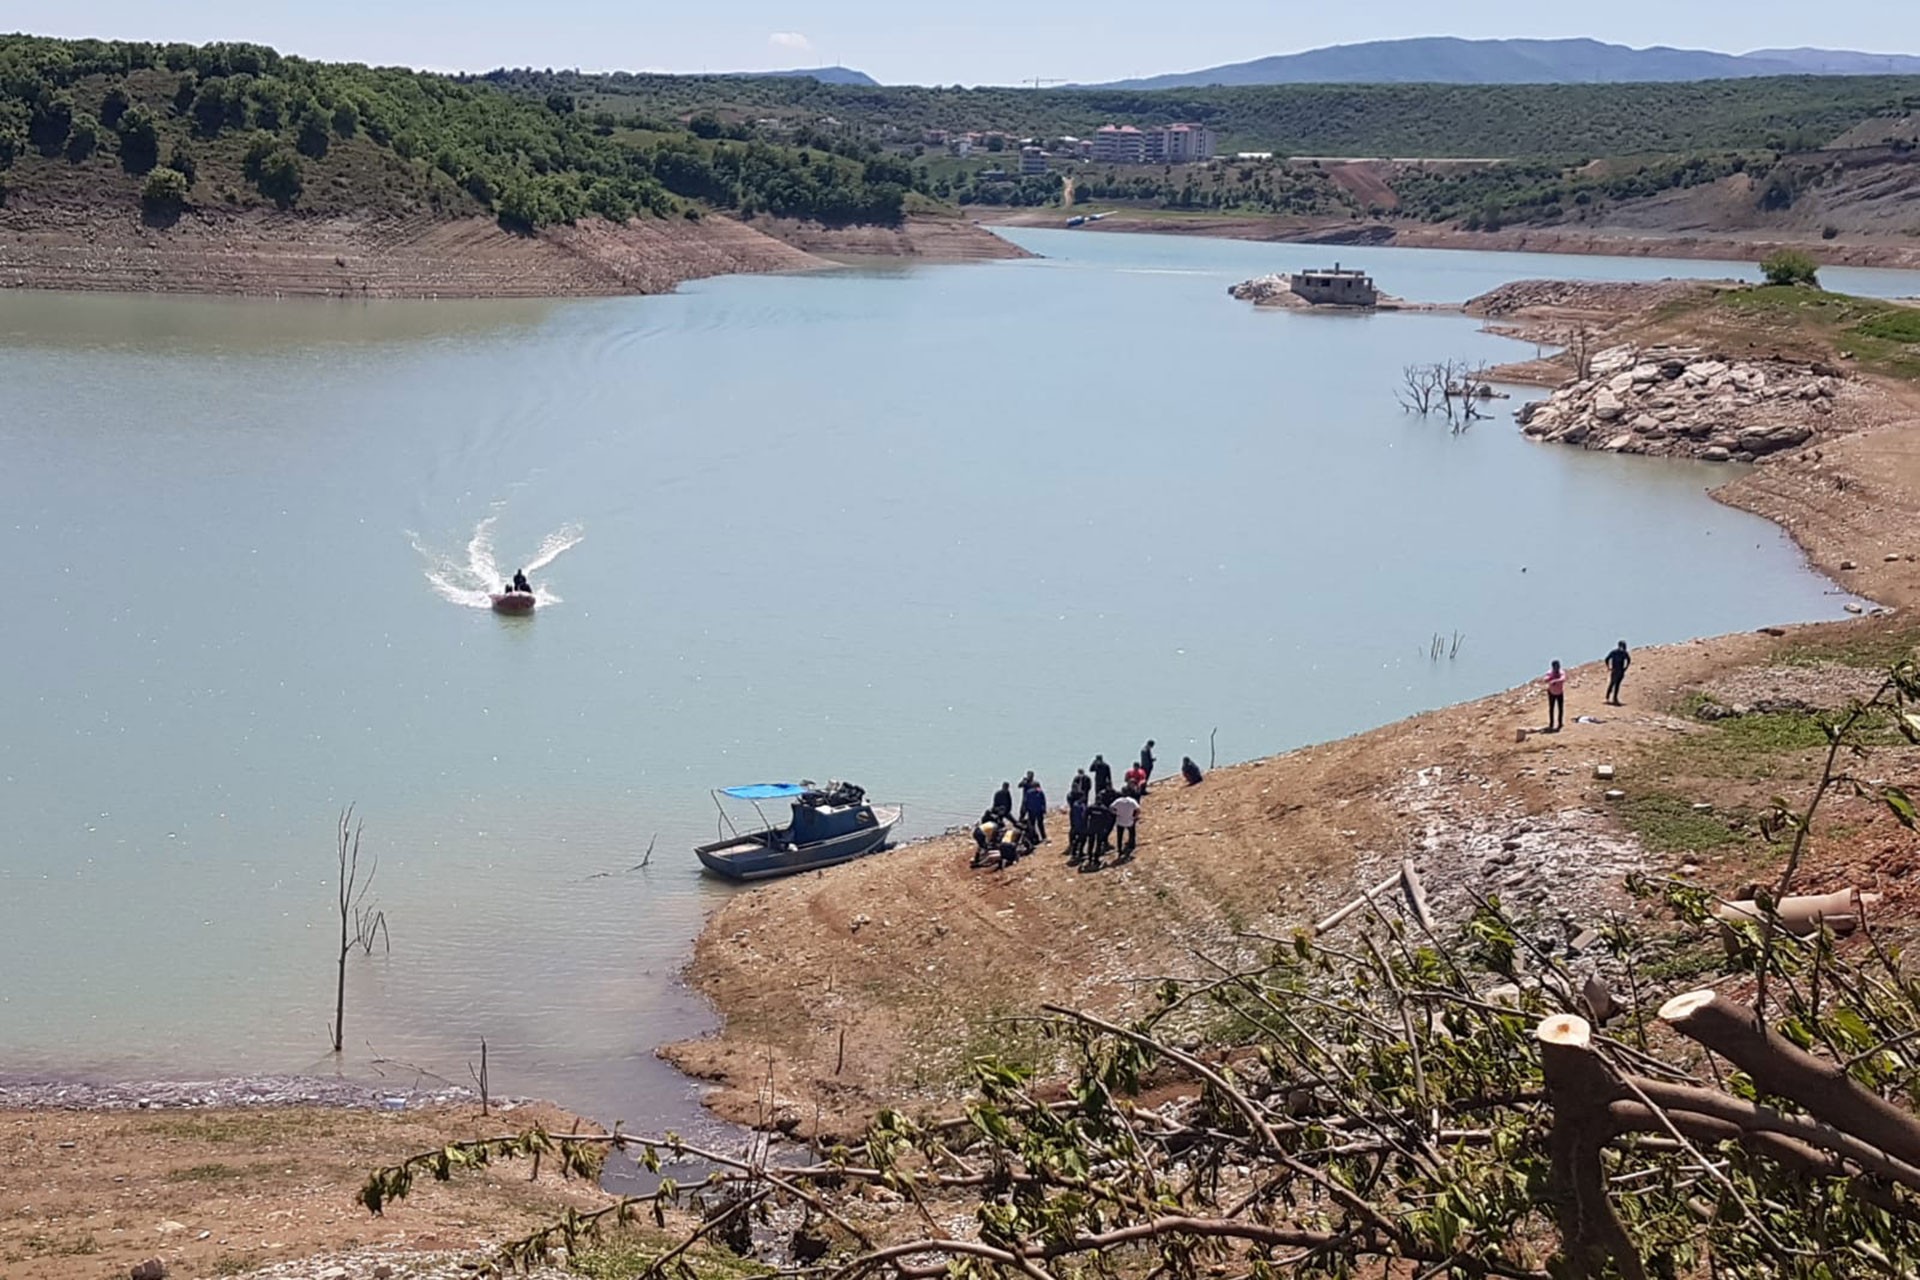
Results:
1334 288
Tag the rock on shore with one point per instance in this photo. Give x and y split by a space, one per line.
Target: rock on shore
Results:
1685 402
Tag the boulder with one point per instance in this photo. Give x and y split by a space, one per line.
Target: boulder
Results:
1647 424
1714 453
1644 374
1706 369
151 1269
1607 406
1613 360
1620 441
1620 383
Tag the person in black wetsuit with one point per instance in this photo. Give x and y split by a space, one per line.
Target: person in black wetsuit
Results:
1617 663
520 581
1077 840
1146 765
1003 800
1102 775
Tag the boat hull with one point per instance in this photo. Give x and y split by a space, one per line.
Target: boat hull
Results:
513 601
751 859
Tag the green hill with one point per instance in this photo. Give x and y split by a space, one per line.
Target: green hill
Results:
92 123
1427 120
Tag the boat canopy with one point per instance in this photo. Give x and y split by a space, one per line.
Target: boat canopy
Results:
765 791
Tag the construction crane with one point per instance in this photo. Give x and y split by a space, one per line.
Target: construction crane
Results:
1039 82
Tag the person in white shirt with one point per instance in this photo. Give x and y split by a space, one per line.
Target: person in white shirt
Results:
1126 823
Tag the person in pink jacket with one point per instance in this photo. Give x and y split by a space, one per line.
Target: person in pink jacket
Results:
1556 682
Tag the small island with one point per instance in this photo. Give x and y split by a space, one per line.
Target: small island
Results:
1334 288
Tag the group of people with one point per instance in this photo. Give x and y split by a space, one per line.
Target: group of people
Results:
1556 681
1101 820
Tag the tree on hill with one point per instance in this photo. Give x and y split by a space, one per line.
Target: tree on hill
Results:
83 137
274 168
50 122
139 140
1790 267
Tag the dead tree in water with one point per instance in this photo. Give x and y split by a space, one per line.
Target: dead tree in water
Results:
352 899
1421 385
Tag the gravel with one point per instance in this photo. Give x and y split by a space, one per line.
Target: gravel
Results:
248 1091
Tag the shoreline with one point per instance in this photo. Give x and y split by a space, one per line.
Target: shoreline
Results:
1597 242
260 254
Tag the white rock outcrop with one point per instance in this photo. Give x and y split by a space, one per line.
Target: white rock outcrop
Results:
1687 403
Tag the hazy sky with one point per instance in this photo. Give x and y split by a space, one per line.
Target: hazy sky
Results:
974 42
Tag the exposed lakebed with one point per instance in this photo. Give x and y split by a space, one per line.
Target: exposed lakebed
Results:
922 528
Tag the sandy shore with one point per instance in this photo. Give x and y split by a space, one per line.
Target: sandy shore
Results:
224 1190
875 983
288 255
1856 251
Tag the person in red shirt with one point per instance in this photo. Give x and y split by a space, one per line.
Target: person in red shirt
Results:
1136 780
1556 682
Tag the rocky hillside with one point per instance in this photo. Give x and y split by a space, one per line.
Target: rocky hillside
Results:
1687 402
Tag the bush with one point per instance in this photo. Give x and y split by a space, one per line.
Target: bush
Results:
1790 267
115 106
139 140
313 137
182 160
165 192
84 137
274 169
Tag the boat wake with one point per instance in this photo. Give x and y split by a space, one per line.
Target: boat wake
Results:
473 580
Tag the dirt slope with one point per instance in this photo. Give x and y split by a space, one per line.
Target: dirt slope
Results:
264 252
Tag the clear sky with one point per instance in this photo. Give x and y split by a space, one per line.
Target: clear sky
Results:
972 42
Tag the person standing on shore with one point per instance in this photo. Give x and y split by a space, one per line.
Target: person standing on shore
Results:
1033 807
1617 663
1556 682
1003 800
1076 827
1099 831
1146 766
1082 786
1102 775
1126 822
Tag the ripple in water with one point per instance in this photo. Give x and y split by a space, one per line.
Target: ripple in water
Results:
472 581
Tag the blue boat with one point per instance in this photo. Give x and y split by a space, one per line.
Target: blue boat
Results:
830 825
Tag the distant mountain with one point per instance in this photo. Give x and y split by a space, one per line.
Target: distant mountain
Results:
1839 62
825 75
1448 60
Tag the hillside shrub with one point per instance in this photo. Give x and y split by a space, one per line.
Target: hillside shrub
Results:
182 159
83 138
139 140
114 106
50 122
274 168
165 192
1790 267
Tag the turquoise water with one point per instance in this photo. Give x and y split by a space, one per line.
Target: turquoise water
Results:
924 528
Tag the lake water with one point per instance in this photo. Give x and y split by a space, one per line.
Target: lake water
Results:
923 528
